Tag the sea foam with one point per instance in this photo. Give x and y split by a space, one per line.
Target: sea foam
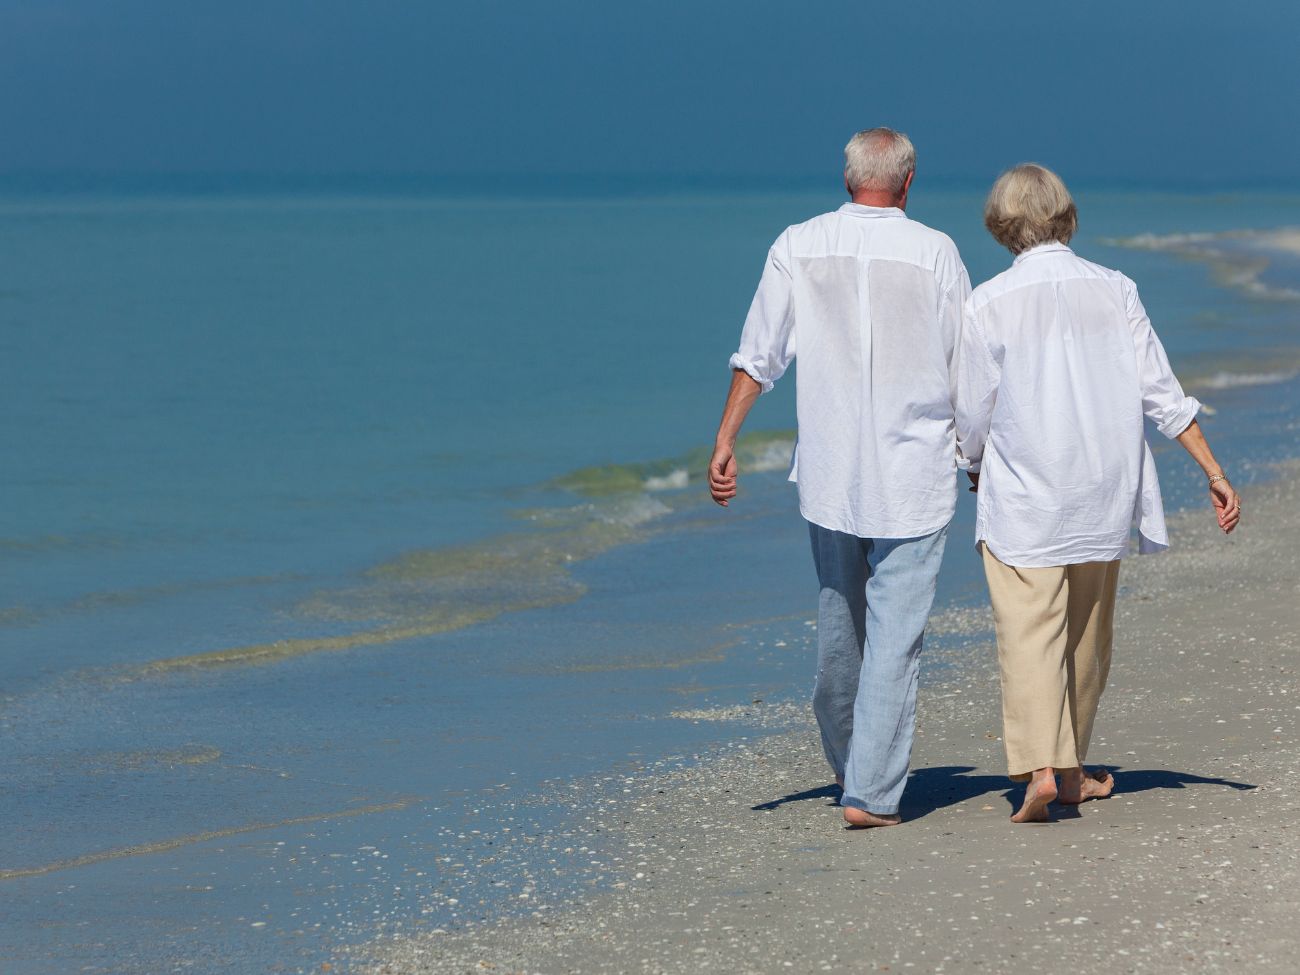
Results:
1238 258
758 451
673 481
1232 380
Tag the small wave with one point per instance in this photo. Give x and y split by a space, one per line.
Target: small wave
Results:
758 451
773 456
633 511
673 481
435 590
1237 258
1161 242
1232 380
628 511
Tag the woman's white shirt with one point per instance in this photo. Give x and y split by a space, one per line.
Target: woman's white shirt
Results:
1058 365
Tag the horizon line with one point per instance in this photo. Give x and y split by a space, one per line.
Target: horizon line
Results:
566 184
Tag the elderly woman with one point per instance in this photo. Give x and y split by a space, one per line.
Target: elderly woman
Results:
1059 364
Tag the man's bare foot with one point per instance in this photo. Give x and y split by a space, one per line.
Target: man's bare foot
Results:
1079 786
860 817
1038 795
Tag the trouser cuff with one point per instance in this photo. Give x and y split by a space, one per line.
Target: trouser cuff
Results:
875 808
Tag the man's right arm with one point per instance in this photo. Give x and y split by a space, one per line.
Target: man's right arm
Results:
766 350
743 394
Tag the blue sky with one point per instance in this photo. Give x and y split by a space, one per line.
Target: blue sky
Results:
1145 92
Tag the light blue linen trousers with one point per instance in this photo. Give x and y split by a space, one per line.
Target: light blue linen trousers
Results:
876 595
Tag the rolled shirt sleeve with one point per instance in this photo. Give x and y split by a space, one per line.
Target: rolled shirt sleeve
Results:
767 340
978 374
1163 399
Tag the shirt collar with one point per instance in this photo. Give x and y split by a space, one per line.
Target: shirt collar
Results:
861 210
1052 247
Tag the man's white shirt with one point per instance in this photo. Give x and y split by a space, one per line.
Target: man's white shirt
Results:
1058 365
872 303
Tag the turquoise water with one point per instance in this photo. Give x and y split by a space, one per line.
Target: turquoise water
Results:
332 518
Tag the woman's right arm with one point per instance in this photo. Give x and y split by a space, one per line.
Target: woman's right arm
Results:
978 375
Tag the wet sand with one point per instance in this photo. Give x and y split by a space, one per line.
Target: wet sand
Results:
741 863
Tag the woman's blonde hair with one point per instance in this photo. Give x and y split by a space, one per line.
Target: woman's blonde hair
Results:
1029 205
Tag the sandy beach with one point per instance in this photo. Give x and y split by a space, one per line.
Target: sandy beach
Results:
741 863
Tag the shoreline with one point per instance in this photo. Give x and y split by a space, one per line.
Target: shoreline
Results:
653 668
741 860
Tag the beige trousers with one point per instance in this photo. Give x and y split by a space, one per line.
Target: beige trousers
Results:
1054 629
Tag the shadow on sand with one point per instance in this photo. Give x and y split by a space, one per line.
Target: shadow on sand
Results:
930 789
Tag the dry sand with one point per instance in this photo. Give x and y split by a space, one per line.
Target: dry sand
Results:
741 863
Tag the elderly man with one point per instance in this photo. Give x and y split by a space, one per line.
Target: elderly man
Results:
872 301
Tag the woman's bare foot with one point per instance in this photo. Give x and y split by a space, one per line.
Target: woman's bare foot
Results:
860 817
1038 795
1079 786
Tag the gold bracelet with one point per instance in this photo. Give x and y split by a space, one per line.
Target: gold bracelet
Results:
1218 477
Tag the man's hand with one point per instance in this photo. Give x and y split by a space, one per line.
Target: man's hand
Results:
974 481
1227 506
722 474
722 468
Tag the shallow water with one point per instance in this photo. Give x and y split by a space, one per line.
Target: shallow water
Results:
334 525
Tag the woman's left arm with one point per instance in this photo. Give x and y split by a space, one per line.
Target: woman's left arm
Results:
1163 400
1173 412
1227 505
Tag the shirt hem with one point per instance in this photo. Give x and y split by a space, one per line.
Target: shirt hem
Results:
1020 560
892 533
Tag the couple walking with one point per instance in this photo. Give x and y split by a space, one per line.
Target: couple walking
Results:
1035 384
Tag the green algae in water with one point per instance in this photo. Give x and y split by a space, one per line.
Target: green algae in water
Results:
430 591
759 450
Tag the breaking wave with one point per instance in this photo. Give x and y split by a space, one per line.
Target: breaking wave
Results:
1233 380
758 451
433 590
1238 259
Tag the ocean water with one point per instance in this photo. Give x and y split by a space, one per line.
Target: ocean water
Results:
341 529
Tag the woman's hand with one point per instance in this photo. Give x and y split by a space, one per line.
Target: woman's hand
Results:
1227 506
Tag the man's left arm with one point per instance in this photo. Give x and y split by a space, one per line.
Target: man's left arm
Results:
951 321
951 305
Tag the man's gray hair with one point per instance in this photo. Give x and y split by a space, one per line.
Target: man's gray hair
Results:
878 159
